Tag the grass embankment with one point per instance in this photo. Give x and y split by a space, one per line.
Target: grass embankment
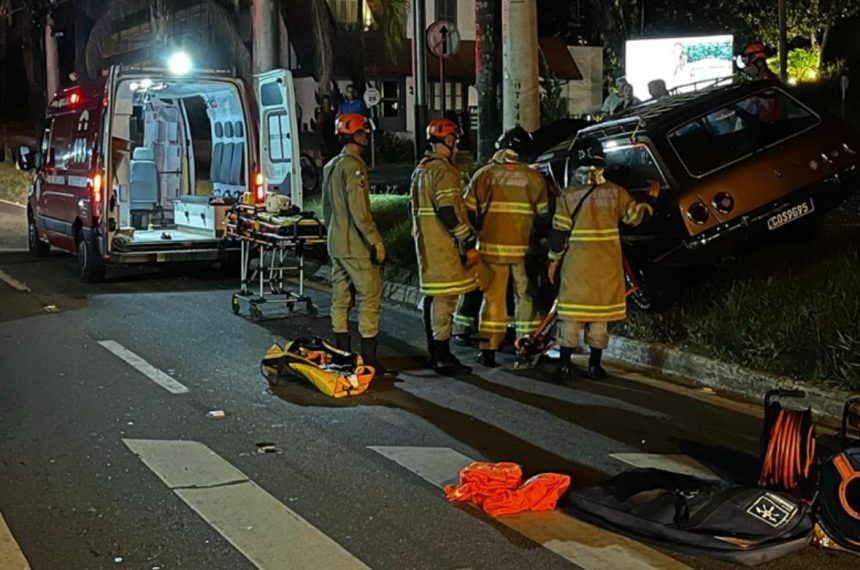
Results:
790 309
14 184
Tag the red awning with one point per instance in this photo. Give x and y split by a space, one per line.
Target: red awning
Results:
461 66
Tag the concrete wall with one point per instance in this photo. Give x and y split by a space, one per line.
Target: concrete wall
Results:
586 95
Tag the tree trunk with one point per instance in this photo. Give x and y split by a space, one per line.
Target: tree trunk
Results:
82 34
265 35
52 59
323 48
487 83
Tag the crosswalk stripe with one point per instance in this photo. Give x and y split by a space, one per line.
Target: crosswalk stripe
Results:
264 530
11 557
681 464
586 546
144 367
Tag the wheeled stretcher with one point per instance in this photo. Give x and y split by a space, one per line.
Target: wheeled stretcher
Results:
266 242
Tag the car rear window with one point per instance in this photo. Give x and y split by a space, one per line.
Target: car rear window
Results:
740 129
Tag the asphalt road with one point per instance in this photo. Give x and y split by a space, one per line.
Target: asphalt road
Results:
108 458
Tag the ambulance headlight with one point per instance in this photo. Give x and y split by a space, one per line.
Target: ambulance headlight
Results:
179 63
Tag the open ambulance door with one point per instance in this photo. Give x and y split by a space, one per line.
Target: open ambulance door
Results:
279 134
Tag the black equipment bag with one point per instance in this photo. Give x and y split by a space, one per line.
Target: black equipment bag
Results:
744 525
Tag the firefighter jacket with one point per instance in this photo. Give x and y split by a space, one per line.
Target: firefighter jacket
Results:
592 275
505 197
441 227
351 231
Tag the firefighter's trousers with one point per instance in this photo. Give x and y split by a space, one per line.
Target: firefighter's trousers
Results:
494 312
596 334
356 280
438 320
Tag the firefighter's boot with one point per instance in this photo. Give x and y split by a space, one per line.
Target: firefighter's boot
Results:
430 361
595 370
370 356
446 363
566 371
487 358
342 342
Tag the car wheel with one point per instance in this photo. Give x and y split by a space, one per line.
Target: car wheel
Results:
658 289
90 263
37 247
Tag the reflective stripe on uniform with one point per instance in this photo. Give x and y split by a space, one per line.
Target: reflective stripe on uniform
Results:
542 209
586 312
504 250
562 222
463 320
471 202
462 231
448 192
594 235
523 208
449 288
493 326
425 212
525 327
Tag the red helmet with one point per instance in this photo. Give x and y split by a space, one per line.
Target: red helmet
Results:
438 129
755 52
349 124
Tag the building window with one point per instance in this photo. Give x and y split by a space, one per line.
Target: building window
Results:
391 106
454 99
446 10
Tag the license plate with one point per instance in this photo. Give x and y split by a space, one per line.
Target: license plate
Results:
790 214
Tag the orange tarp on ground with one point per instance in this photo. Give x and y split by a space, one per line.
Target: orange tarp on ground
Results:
498 489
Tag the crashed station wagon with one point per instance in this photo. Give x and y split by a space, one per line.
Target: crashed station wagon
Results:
732 162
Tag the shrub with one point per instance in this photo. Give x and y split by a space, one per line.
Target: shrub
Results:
14 184
393 148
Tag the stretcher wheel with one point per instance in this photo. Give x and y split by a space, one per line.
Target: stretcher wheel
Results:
291 307
256 313
234 304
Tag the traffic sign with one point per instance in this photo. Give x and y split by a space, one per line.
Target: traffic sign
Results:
443 38
372 97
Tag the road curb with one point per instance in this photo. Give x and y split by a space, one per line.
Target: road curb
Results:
676 364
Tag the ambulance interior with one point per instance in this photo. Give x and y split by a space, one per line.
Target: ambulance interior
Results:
180 158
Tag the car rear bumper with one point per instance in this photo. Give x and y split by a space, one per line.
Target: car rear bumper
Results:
826 195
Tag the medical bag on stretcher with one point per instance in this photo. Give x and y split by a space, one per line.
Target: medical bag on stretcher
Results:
334 372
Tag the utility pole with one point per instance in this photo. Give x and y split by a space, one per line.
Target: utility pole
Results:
419 74
52 59
520 65
265 32
783 43
487 84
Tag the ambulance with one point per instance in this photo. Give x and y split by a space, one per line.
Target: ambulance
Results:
141 165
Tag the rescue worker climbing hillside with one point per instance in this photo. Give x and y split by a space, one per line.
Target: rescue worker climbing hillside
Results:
586 244
354 244
504 198
444 240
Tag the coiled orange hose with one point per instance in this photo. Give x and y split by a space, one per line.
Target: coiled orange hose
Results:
790 451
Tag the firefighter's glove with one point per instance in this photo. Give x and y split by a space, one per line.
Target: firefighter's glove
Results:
377 253
473 258
552 270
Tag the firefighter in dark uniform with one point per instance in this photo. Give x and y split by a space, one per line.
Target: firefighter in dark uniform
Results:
354 244
445 241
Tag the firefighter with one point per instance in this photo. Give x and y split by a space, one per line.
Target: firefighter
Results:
753 62
444 240
586 245
504 198
354 244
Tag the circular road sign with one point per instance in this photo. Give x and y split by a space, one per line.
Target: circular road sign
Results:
443 38
372 97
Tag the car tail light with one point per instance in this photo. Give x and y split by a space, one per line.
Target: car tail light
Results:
698 213
97 189
724 202
260 188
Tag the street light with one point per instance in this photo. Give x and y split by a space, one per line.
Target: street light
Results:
179 63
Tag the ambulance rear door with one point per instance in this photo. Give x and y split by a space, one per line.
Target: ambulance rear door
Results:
279 134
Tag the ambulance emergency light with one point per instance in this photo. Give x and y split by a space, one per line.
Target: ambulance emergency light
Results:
179 63
691 61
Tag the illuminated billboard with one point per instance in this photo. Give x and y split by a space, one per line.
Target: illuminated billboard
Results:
677 61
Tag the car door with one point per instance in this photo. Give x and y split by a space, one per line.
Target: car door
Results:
279 134
55 193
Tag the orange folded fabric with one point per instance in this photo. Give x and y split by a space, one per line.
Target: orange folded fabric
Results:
498 489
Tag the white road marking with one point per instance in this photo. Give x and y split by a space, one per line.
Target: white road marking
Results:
16 204
13 283
584 545
11 557
144 367
681 464
263 529
13 250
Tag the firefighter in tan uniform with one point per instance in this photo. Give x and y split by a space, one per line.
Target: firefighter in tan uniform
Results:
354 244
444 240
586 244
504 198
